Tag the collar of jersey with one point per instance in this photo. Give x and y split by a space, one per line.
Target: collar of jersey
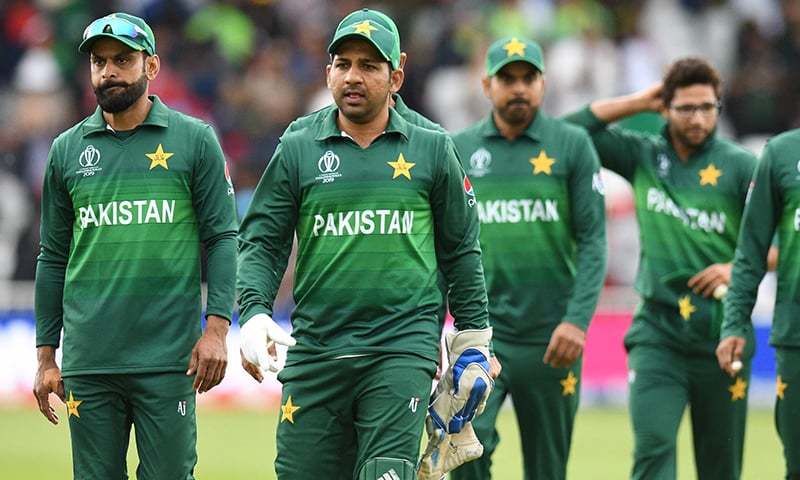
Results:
534 130
329 129
157 117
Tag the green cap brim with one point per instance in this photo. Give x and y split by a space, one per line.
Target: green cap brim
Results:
496 68
86 45
337 40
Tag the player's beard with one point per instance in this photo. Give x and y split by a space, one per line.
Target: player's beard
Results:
122 100
689 138
517 111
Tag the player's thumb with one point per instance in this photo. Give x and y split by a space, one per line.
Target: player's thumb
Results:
278 335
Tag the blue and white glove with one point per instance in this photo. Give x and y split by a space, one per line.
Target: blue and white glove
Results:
464 388
257 335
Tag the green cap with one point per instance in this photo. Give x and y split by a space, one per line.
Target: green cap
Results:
373 26
132 31
513 49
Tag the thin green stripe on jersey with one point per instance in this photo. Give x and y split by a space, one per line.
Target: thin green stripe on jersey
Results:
127 215
689 215
773 206
542 219
372 225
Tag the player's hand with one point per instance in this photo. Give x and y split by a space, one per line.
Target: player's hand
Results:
566 345
47 381
494 367
258 338
210 355
704 282
650 98
730 350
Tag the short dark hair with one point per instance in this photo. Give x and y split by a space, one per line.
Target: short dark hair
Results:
686 72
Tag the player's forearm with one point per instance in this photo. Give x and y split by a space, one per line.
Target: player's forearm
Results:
258 278
46 356
612 109
589 277
221 252
467 290
48 303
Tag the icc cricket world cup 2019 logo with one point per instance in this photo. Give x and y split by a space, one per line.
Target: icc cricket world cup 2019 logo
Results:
328 166
88 160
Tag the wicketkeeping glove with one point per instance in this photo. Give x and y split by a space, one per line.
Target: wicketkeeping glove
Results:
464 388
257 335
447 451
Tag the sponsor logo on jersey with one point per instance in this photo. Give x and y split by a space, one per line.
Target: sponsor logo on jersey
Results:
363 222
126 212
469 191
328 165
693 218
480 161
88 160
526 210
228 180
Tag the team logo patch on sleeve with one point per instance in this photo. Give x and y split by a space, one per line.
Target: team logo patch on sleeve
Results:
469 191
228 179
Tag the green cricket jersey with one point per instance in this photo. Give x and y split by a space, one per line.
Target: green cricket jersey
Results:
540 204
689 216
372 225
123 215
773 206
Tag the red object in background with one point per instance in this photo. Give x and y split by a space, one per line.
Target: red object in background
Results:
604 358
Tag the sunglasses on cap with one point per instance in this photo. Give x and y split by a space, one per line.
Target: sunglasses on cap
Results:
119 27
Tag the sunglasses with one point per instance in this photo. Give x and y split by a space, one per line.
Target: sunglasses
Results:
118 26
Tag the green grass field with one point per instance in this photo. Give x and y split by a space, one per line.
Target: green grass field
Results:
240 445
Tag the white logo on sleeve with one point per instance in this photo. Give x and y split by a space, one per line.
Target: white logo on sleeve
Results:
328 165
88 161
480 161
597 183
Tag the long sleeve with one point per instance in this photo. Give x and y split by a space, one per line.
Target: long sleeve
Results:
457 247
616 147
56 236
212 198
588 225
755 238
265 237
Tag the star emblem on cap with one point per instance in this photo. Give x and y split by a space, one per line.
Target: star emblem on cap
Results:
514 47
709 175
364 28
159 158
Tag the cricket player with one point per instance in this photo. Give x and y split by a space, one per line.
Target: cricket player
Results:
377 205
689 187
129 195
773 208
544 252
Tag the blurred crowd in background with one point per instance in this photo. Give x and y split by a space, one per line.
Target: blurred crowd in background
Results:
249 67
